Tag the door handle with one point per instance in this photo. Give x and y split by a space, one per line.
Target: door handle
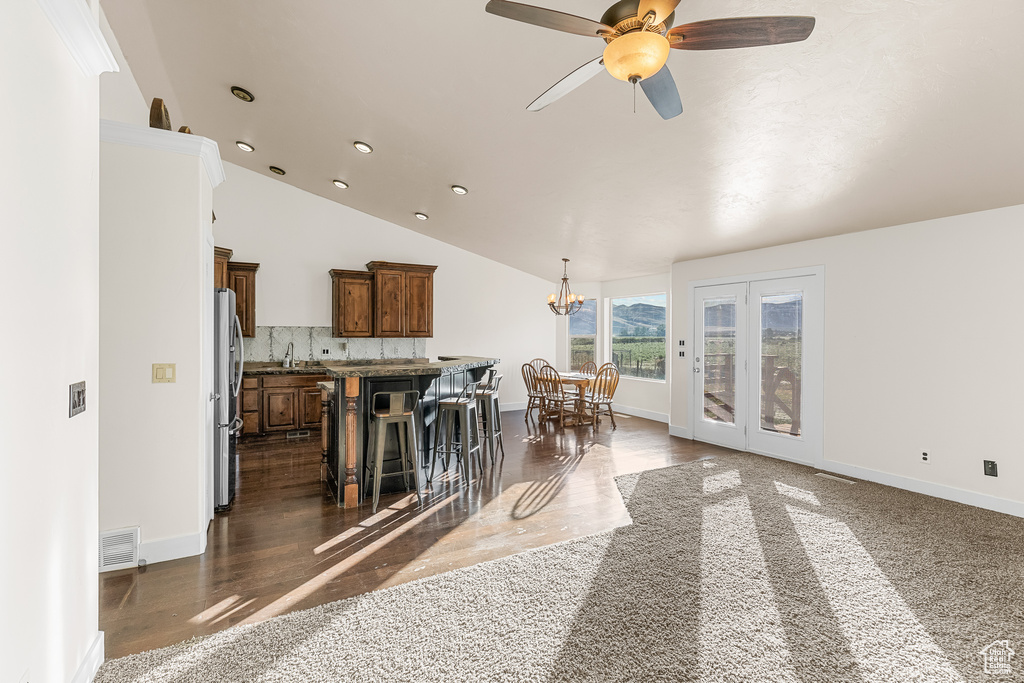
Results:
696 369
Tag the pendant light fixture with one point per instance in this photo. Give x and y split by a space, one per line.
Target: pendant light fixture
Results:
565 302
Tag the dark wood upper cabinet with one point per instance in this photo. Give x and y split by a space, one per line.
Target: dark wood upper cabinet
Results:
221 256
404 299
386 300
242 280
351 303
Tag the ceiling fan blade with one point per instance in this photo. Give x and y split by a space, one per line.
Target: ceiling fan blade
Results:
568 84
725 34
548 18
661 8
662 92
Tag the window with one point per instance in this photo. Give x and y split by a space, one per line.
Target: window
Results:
582 335
638 335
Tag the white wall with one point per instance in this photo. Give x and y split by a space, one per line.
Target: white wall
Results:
49 279
922 329
481 307
645 398
155 281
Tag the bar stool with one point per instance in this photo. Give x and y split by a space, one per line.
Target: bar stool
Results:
398 408
490 411
461 409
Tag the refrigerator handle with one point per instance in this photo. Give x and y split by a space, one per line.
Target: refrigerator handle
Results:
240 356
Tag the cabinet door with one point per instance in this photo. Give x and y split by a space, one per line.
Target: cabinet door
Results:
310 405
352 304
390 314
242 280
280 409
419 304
221 256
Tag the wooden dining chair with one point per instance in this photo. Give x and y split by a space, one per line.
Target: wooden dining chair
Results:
589 368
535 398
602 391
538 363
554 395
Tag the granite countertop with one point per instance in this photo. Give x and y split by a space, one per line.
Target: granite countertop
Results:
373 368
411 366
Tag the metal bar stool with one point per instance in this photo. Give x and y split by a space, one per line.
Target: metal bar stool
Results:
490 411
461 409
397 408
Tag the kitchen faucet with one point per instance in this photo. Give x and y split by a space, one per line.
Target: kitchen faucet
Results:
288 355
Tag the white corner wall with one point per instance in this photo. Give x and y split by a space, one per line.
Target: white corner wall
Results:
49 308
922 326
156 288
481 307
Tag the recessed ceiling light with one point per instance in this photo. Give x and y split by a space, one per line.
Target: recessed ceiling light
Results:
278 171
245 146
421 216
459 189
362 147
242 94
341 184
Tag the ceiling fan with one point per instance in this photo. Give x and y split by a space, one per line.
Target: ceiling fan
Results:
639 34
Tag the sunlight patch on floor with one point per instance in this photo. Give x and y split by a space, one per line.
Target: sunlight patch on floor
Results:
716 483
736 596
314 584
802 495
211 613
885 637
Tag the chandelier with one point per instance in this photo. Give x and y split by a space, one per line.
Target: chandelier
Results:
565 303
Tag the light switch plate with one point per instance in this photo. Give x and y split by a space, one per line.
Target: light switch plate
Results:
164 372
76 399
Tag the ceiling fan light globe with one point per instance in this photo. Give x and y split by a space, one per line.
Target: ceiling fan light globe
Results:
636 55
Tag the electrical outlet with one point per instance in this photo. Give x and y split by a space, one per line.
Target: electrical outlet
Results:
925 457
991 470
164 372
76 400
325 352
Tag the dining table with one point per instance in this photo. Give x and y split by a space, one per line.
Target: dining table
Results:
582 383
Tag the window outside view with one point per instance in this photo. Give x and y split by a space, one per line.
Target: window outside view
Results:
638 336
781 362
582 335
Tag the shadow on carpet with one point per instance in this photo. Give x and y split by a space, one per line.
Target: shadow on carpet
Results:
740 568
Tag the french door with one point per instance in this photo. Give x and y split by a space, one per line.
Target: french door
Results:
757 366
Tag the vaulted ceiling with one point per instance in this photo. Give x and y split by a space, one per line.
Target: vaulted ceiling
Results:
892 111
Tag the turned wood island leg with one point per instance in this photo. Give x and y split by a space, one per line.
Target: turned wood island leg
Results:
350 486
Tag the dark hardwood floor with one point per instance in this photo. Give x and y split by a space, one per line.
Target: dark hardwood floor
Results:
285 545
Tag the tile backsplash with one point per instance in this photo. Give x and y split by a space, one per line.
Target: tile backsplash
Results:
271 343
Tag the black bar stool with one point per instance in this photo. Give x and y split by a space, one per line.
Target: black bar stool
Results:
463 410
490 411
394 408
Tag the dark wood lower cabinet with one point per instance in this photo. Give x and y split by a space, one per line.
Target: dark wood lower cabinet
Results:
280 403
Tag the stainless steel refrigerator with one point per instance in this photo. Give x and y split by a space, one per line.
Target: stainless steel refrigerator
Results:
227 374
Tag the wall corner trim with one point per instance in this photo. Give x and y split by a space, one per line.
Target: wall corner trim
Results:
92 662
134 135
171 548
681 432
81 35
640 412
957 495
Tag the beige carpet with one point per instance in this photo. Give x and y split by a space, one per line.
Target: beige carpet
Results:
740 569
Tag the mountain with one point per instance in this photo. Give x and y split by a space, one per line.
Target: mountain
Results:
584 321
637 318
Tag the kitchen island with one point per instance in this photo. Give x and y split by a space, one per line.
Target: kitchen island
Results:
355 383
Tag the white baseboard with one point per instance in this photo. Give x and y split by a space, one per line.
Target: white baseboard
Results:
640 412
91 664
681 432
171 548
506 407
956 495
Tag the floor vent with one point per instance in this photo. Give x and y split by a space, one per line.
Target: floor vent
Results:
835 478
119 549
298 434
